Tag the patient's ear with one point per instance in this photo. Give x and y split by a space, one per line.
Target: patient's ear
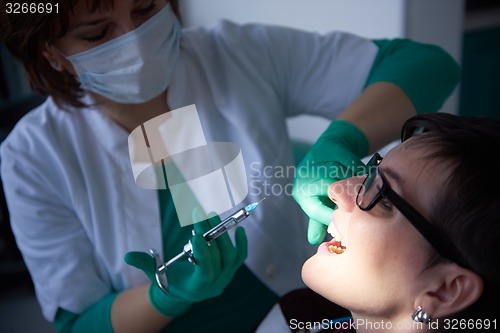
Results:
450 289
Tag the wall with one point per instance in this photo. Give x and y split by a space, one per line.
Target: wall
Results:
480 91
381 18
439 22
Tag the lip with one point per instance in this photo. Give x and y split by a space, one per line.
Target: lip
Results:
332 221
338 240
323 249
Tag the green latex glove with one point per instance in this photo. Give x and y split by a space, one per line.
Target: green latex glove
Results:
188 283
335 156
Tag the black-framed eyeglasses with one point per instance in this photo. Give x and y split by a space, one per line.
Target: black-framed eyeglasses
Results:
375 187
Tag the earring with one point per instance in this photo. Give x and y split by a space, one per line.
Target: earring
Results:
420 316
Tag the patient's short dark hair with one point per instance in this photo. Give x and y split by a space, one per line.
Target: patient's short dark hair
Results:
468 206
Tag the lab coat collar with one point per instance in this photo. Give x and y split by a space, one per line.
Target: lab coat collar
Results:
112 137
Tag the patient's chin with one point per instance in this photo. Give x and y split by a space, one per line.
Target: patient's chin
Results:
311 271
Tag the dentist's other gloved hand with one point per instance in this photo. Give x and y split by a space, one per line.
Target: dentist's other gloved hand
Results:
336 155
188 283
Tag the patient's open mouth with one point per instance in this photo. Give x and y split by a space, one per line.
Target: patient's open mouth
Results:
336 248
335 245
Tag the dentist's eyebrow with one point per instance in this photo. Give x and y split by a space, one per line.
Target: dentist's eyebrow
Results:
87 23
99 20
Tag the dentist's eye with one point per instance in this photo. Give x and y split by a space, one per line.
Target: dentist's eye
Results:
97 37
147 10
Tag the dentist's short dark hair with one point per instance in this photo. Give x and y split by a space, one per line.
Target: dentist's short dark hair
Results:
25 34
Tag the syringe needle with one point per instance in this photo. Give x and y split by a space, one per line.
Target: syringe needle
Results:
250 208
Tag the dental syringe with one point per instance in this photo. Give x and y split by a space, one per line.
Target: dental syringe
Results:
209 236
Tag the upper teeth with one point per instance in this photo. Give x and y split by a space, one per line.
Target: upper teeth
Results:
334 232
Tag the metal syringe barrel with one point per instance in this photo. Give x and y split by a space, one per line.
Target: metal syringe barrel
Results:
227 224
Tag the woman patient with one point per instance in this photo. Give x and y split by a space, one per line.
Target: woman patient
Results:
415 240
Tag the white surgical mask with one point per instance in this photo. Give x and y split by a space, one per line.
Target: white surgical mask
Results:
135 67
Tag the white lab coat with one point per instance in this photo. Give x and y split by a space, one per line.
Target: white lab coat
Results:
74 205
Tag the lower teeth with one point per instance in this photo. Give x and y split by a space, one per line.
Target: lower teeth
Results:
335 249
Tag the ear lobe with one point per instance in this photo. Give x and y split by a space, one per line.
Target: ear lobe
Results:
458 288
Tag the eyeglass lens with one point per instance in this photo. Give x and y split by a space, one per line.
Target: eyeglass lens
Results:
370 189
371 186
